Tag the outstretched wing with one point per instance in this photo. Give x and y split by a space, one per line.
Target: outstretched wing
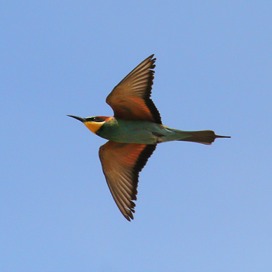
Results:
130 99
121 165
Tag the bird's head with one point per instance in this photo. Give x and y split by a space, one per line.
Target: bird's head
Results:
93 123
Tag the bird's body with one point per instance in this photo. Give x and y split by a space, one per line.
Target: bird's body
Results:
143 132
137 132
133 133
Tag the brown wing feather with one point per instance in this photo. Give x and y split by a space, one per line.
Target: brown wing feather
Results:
130 99
121 165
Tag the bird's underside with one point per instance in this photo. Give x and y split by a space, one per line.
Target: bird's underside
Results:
133 134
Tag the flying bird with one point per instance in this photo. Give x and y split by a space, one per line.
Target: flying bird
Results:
133 134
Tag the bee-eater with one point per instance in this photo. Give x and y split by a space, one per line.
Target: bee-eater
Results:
133 133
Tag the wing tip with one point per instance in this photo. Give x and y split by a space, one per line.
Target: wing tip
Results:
129 217
128 212
152 59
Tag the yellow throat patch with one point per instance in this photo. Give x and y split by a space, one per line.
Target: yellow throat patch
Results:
94 126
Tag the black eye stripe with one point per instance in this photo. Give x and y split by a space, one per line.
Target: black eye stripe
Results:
95 119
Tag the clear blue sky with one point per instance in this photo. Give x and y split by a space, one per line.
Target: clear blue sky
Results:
200 208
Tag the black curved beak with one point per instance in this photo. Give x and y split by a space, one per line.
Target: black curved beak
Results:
78 118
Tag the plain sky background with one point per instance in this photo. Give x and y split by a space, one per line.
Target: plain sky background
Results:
200 208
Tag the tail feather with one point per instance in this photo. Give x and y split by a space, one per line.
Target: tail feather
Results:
202 137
